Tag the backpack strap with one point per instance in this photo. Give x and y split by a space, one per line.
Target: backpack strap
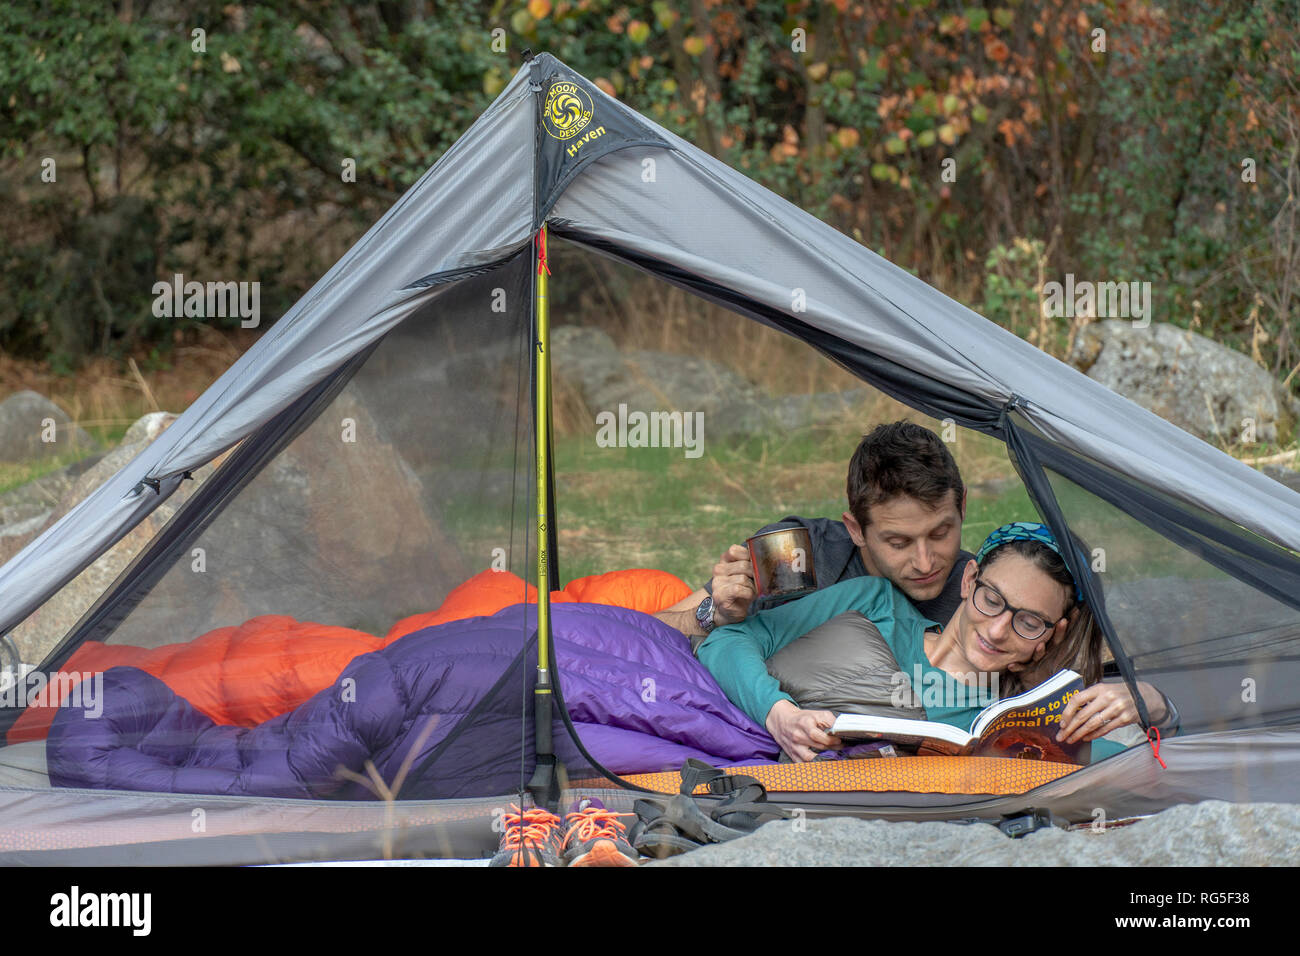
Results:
672 825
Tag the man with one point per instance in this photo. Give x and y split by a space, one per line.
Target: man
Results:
907 502
906 506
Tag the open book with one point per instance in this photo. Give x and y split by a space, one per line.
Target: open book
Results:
1020 726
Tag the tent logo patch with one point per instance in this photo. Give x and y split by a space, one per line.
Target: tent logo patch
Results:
568 110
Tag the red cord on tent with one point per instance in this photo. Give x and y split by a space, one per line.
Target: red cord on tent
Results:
541 252
1155 745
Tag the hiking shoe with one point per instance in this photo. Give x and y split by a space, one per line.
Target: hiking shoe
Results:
595 836
534 837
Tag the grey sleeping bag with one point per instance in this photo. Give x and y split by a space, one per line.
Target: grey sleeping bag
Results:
846 667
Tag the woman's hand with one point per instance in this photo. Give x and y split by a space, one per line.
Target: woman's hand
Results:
801 733
1097 710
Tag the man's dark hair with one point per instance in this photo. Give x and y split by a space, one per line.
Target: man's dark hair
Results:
901 458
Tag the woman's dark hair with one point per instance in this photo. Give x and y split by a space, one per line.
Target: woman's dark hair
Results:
1080 648
901 459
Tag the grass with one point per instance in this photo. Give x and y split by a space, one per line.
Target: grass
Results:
107 395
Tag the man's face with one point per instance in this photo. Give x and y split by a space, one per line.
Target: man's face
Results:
911 543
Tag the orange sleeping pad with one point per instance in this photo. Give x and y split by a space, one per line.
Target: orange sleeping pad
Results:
270 664
931 774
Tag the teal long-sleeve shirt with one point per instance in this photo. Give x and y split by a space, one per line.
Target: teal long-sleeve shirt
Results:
736 654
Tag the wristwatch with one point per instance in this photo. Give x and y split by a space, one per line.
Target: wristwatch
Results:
704 615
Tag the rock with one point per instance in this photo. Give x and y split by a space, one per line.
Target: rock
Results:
588 360
43 629
642 379
28 509
1186 378
147 428
1212 833
332 531
1286 476
24 417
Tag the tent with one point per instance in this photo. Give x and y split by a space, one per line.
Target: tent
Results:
278 491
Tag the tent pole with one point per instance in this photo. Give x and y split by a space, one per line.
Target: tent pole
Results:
544 784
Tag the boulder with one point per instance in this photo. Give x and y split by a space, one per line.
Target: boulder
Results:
332 531
27 509
587 360
43 629
1212 833
1186 378
643 379
1286 476
341 532
25 419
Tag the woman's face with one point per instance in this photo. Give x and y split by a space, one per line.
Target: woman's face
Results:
991 643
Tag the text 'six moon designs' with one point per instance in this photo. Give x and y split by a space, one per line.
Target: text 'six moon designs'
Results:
568 110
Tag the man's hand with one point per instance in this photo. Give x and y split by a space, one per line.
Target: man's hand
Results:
733 585
801 733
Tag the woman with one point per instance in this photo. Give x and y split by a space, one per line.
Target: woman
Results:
1022 619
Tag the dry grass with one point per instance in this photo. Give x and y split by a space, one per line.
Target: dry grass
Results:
105 396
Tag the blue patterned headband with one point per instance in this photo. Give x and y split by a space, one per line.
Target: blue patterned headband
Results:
1024 531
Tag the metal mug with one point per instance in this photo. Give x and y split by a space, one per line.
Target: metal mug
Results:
783 564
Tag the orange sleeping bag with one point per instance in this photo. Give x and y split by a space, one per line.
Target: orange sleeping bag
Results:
270 664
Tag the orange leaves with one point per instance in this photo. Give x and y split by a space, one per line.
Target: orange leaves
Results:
996 50
847 137
1013 130
539 9
788 148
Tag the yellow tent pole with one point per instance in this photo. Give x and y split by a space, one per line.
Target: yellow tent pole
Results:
542 444
544 783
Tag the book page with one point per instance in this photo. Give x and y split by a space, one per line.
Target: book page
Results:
1029 731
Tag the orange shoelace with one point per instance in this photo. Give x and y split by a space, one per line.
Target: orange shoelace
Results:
532 826
595 823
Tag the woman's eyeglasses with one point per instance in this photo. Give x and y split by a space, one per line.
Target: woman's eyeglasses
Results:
989 601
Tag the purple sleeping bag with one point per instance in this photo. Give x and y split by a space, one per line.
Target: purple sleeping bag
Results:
639 700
